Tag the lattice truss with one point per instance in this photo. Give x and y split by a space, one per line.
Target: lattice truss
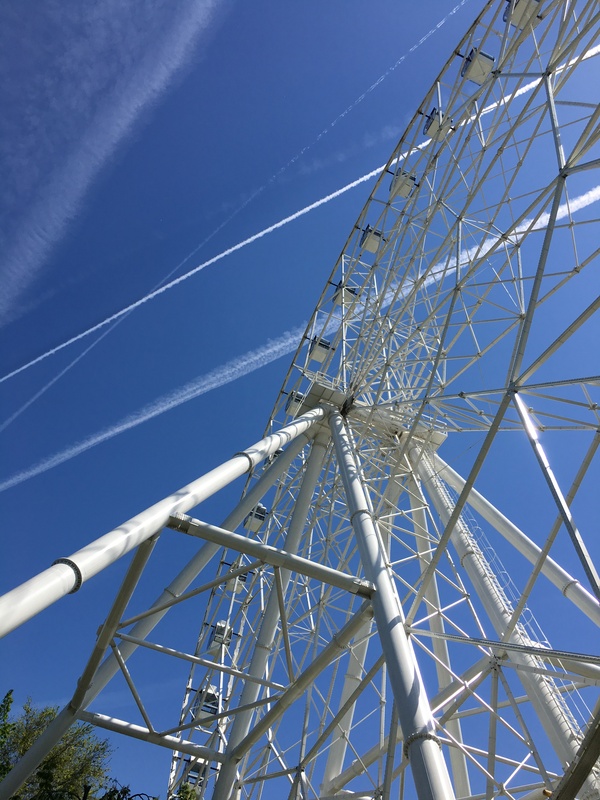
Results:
457 327
447 313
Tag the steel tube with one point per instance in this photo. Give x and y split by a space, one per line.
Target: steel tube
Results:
544 698
164 740
194 567
339 642
46 741
276 556
569 586
427 763
31 597
436 624
109 666
264 643
563 508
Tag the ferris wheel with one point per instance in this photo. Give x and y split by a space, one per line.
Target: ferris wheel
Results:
409 607
439 330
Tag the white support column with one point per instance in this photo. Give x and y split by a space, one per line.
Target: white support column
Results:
436 624
560 726
420 743
58 727
566 583
339 641
337 751
268 627
561 504
67 574
86 690
195 566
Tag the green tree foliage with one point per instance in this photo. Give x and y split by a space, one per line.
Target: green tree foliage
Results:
78 761
186 792
5 732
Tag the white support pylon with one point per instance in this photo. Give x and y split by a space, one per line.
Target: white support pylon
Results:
421 745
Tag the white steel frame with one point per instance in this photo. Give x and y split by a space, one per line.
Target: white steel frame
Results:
369 624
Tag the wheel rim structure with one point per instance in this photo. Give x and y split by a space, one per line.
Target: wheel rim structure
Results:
433 327
369 632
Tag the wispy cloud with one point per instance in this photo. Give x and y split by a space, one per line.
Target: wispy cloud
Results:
60 197
157 292
227 373
369 140
95 71
275 348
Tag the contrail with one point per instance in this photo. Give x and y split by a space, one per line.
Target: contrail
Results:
137 87
255 194
575 204
356 102
327 199
227 373
16 414
255 359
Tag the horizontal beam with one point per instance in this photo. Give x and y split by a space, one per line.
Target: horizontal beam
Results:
67 575
545 653
138 732
271 555
202 662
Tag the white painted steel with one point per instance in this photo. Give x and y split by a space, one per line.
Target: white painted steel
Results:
564 582
31 597
460 775
145 735
277 557
272 614
554 715
421 745
482 285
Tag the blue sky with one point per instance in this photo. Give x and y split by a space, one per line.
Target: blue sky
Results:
131 135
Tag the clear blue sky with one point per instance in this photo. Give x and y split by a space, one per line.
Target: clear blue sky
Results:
129 135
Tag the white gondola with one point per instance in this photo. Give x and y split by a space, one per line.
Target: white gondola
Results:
402 185
319 349
477 66
206 704
371 239
255 518
236 584
524 13
344 295
435 123
221 637
294 402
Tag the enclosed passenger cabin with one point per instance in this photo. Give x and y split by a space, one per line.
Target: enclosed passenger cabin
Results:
435 123
477 66
294 402
206 704
371 239
319 349
344 295
255 518
237 584
193 772
221 637
524 13
402 185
